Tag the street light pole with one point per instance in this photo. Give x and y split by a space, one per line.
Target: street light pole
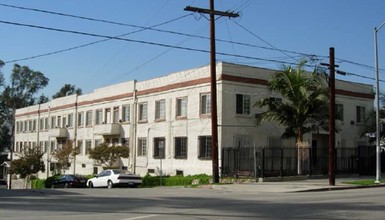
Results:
378 147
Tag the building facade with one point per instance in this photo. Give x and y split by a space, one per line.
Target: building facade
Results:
166 124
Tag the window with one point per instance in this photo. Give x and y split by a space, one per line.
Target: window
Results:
180 147
46 146
98 142
205 104
53 148
70 122
107 116
160 110
46 123
64 122
53 122
243 104
159 148
41 124
80 147
360 114
125 113
181 107
116 115
98 116
30 125
125 142
80 119
89 118
142 146
204 147
339 115
88 146
58 124
143 111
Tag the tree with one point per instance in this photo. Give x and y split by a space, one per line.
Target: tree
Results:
64 155
67 90
42 99
108 155
304 104
28 164
24 85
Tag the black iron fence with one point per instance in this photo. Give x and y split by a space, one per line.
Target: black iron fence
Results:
291 161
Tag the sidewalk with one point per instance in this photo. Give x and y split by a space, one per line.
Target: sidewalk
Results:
307 185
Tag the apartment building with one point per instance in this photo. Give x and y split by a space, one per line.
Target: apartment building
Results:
166 124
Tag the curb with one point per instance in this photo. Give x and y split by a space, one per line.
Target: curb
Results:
339 188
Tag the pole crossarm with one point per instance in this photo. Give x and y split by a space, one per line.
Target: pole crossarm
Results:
229 14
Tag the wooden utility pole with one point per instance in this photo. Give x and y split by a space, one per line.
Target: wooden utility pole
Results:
213 83
332 129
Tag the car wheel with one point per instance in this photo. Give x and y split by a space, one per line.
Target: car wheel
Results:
109 184
90 185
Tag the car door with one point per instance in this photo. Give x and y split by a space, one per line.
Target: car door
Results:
98 180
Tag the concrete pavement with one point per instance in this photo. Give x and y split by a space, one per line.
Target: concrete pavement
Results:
306 185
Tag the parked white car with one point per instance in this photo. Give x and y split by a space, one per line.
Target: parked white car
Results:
112 178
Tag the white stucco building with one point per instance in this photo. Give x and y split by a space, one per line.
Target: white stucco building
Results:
165 121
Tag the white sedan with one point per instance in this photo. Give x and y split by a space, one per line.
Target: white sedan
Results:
112 178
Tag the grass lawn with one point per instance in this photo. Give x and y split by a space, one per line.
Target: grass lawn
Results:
364 182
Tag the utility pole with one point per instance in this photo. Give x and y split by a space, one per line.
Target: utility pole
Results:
332 127
213 83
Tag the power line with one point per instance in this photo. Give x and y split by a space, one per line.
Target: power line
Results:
155 44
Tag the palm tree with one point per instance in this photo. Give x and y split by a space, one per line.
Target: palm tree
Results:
304 104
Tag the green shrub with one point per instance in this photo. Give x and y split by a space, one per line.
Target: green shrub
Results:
38 184
152 181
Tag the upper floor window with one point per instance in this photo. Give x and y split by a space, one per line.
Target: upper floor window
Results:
181 107
53 122
243 104
98 116
115 118
70 122
80 119
339 115
89 118
125 113
160 110
205 104
143 111
360 114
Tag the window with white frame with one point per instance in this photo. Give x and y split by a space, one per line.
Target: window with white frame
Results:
89 118
181 107
65 122
142 146
53 122
41 124
159 147
98 117
88 146
242 104
143 112
115 117
160 110
205 104
80 119
360 114
126 113
98 142
204 145
46 123
70 122
180 144
80 147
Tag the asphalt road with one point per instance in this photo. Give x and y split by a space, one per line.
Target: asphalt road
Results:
189 203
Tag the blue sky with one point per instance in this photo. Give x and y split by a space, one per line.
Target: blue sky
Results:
272 29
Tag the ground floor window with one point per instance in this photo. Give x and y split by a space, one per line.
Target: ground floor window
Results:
180 147
159 145
204 143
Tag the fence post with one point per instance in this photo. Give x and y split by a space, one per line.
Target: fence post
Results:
281 163
263 163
